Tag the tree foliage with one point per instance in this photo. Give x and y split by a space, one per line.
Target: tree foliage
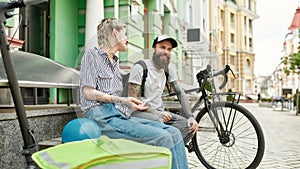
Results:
292 63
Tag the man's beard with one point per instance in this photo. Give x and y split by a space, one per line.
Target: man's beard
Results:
158 62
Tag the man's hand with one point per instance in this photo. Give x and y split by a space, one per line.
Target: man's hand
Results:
166 116
193 125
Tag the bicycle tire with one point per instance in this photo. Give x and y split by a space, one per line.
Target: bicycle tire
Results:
246 145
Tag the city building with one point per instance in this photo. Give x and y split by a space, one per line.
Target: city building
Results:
216 32
288 81
231 36
62 30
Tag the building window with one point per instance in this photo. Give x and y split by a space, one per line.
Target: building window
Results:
134 11
250 5
232 83
222 36
250 42
248 86
248 66
232 60
40 30
250 25
190 14
232 38
187 12
222 17
232 18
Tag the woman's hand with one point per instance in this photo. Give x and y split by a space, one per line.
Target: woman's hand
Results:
135 104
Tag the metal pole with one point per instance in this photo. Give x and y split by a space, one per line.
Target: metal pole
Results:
297 99
29 144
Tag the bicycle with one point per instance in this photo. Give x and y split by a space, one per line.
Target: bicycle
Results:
229 136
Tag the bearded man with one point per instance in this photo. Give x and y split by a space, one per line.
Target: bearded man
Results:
154 87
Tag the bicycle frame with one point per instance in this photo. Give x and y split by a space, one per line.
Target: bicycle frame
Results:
214 117
228 134
213 114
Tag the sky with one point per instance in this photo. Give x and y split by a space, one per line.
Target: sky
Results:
269 30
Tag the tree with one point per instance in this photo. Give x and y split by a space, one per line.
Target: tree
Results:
292 65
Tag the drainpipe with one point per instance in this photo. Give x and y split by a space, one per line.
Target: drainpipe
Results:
240 73
147 30
116 8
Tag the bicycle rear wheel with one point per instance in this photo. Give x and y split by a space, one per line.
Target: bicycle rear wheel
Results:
240 145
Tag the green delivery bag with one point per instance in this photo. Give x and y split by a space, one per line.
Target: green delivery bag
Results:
104 153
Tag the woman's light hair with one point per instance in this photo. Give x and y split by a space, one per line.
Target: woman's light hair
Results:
105 29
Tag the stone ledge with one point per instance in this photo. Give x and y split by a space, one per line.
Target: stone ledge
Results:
40 110
49 143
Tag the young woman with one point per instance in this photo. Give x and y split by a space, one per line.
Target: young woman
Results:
100 90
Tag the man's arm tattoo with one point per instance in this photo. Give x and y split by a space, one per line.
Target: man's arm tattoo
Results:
182 97
134 90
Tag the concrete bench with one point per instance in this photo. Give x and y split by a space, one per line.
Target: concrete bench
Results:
49 143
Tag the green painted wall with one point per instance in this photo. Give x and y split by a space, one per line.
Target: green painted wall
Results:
63 37
64 31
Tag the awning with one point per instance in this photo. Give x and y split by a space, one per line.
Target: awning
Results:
37 71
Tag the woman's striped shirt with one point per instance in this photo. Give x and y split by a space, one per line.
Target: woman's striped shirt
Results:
98 72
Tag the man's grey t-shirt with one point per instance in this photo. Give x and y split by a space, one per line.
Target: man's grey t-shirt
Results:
155 83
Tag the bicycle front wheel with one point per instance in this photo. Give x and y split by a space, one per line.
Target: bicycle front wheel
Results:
235 141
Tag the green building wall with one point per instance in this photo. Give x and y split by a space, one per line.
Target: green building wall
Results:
64 31
63 38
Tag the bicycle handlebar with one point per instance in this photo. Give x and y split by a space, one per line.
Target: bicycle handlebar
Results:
203 75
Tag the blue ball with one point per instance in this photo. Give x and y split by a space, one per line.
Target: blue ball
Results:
80 129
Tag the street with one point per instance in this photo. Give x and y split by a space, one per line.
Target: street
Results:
282 137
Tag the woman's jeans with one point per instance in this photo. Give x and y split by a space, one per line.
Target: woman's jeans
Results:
114 125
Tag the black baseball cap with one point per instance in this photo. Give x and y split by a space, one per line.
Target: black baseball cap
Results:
161 38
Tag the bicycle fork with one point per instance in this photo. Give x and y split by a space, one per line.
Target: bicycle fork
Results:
223 128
